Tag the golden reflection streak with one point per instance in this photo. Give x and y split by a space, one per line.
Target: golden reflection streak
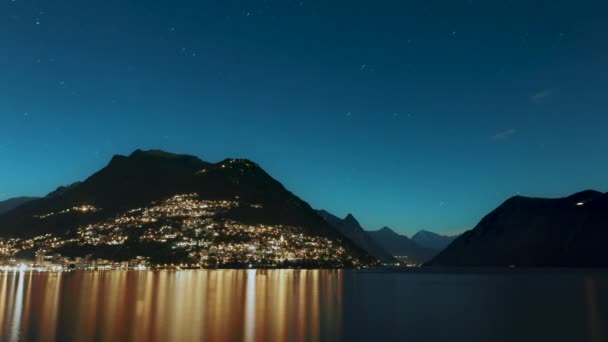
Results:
113 321
301 305
593 312
262 313
10 291
249 305
18 309
250 299
227 304
338 326
3 296
178 309
196 309
143 307
203 289
91 290
85 306
281 305
184 310
50 306
160 333
315 311
25 316
218 288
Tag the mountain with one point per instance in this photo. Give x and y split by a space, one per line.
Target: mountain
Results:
62 189
523 231
401 246
13 203
432 240
146 178
351 229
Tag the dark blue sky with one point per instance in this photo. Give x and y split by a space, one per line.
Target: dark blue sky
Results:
411 114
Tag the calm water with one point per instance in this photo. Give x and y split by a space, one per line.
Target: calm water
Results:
250 305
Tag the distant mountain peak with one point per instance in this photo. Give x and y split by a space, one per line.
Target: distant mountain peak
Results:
386 229
400 245
432 240
424 232
351 219
352 230
323 212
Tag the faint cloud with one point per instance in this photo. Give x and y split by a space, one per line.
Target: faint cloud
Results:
504 135
543 94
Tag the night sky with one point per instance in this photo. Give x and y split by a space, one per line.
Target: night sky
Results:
411 114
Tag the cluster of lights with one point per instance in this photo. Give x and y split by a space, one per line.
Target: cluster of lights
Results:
25 268
82 209
199 228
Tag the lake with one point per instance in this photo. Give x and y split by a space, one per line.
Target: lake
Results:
305 305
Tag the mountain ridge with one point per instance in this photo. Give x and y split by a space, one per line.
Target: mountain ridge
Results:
143 177
527 231
432 240
402 246
351 229
12 203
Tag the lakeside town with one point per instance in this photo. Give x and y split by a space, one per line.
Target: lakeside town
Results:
180 232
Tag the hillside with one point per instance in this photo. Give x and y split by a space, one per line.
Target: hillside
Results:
248 196
523 231
351 229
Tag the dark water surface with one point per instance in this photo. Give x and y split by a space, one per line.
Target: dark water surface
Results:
304 305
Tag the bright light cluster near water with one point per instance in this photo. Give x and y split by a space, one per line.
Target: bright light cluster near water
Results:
202 230
31 267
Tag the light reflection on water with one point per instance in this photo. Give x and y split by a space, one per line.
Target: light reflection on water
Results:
222 305
303 305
